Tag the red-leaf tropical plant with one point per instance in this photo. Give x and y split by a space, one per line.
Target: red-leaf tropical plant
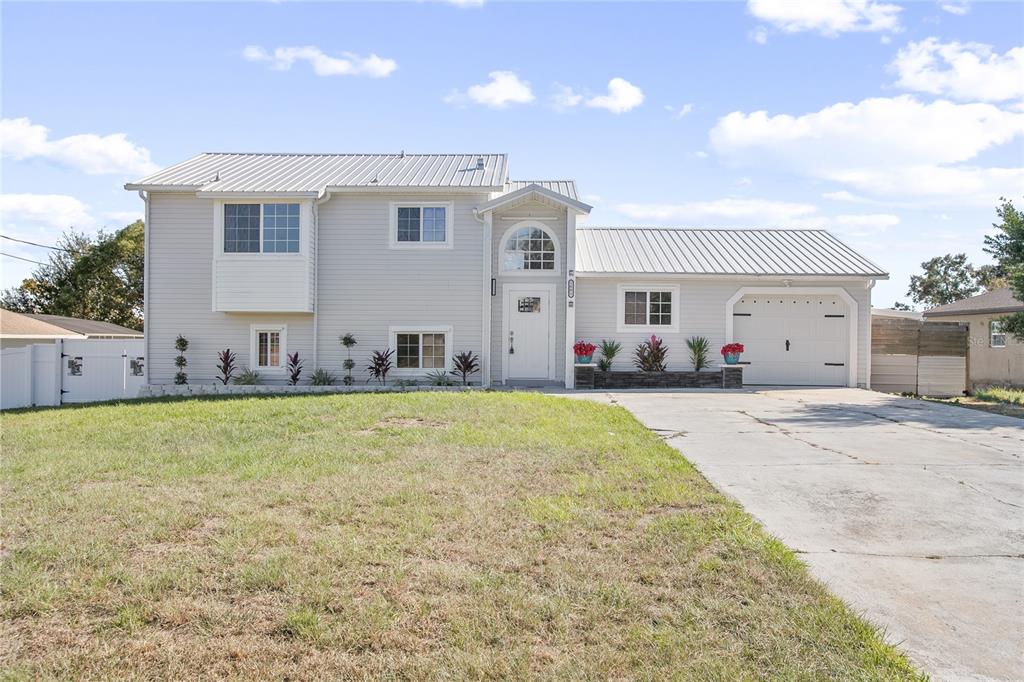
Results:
464 364
651 355
294 368
583 349
380 365
732 349
226 366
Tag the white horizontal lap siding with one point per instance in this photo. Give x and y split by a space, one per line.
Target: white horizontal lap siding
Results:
180 281
365 286
700 311
554 220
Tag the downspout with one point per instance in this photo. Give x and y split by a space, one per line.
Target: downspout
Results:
867 364
316 275
145 282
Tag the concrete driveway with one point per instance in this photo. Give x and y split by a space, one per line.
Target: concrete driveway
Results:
912 512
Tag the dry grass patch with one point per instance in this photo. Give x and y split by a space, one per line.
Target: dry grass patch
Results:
412 536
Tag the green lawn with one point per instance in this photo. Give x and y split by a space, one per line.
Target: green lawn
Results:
410 536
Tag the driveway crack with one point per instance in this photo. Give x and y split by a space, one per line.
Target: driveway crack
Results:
793 436
980 491
933 557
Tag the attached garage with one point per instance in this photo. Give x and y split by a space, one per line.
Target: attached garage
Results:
798 300
793 338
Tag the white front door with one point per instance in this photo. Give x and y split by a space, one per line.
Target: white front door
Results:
529 325
793 339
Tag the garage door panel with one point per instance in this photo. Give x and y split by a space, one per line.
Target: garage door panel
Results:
817 328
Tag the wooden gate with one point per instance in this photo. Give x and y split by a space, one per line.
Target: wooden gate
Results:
914 356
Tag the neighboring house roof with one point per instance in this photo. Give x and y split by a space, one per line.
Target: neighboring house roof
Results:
16 325
25 325
995 301
212 173
646 250
892 312
563 187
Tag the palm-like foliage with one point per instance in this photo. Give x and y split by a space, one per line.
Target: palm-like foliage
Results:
700 349
464 364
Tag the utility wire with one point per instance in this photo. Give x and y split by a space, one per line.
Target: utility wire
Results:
27 260
45 246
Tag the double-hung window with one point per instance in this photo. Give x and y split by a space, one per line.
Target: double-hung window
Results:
421 349
261 228
644 308
997 334
267 348
421 225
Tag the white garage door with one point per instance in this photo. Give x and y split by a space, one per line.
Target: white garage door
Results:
793 340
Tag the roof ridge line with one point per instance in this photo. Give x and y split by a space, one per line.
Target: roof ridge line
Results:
398 154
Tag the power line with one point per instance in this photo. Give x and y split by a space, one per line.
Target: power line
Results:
27 260
45 246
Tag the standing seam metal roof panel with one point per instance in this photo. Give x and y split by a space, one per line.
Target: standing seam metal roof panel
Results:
235 172
718 252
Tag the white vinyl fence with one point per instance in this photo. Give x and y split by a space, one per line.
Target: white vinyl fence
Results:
71 371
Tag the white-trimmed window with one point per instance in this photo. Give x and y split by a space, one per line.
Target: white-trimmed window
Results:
648 308
261 228
421 225
421 349
996 334
531 249
268 347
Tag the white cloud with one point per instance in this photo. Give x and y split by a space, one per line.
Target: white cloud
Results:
759 35
958 7
121 218
966 71
863 225
565 97
827 17
504 88
622 96
21 211
348 64
729 212
701 154
886 146
841 195
680 112
20 139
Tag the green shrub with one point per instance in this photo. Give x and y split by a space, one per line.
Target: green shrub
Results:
247 377
321 377
700 348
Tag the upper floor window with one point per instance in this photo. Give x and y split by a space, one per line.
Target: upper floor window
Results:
529 248
256 228
997 334
421 225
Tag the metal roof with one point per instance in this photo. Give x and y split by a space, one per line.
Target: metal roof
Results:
995 301
645 250
563 187
313 173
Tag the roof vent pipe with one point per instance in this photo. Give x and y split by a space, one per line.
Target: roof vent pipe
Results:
479 163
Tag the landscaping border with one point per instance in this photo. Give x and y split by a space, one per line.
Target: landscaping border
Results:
164 390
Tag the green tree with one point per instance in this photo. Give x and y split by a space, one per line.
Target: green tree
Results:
1007 247
91 278
946 279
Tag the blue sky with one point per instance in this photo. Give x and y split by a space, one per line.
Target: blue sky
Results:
897 126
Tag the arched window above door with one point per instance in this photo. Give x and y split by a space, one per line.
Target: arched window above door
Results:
529 248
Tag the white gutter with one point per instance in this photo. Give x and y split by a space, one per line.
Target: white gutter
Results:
145 280
867 377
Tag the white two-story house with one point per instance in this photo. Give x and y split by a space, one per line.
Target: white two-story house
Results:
429 255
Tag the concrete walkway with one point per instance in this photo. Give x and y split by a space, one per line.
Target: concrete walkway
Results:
912 512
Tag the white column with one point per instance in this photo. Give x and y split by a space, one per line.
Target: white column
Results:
570 297
485 317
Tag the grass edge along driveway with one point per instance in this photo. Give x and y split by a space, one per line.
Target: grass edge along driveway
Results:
414 535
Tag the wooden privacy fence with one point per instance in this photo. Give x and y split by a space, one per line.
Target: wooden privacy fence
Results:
914 356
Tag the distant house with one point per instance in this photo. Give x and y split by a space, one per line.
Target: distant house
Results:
995 357
23 329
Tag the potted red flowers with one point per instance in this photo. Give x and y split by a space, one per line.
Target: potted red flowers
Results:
731 353
584 352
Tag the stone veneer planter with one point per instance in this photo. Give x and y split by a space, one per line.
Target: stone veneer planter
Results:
727 376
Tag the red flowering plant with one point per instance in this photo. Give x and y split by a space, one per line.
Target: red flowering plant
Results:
732 349
583 349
